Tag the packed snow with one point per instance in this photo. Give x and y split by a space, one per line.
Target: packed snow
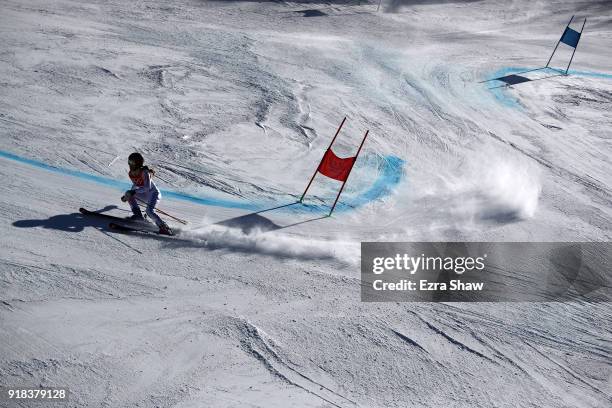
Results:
256 301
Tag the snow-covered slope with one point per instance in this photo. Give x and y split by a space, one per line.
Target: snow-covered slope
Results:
234 104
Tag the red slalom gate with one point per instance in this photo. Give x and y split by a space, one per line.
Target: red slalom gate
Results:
336 167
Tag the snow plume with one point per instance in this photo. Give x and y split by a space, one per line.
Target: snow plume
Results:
489 188
513 189
273 243
500 189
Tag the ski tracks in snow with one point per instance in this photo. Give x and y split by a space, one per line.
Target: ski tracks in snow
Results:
280 364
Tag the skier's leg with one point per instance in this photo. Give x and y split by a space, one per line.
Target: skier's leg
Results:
135 208
153 199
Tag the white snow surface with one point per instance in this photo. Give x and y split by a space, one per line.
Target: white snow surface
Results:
235 102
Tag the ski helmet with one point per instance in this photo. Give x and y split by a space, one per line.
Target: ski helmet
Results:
136 159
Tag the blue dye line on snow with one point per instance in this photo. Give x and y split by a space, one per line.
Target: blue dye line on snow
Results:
506 99
125 186
391 175
500 93
590 74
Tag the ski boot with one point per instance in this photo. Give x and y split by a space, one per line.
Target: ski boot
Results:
164 229
135 218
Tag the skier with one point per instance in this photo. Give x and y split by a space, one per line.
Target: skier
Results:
144 190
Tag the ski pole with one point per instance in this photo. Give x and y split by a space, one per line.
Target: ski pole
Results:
163 212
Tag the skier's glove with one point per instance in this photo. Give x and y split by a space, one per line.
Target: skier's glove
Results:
128 194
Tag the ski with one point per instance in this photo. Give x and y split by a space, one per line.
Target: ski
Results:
143 223
125 224
85 211
144 230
